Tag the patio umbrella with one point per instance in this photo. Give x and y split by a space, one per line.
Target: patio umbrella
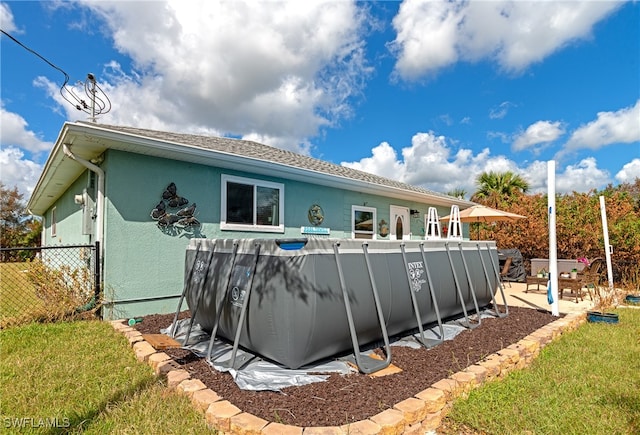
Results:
482 213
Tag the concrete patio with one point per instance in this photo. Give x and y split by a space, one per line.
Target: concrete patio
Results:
515 295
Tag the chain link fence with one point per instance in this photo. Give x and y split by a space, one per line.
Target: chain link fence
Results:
48 283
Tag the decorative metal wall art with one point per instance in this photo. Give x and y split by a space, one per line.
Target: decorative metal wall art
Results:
383 228
315 215
184 217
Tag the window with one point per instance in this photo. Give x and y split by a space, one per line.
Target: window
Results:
363 221
251 205
53 222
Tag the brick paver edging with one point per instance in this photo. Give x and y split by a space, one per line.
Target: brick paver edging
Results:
416 415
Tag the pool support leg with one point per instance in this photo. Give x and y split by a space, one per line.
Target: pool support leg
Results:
365 363
466 322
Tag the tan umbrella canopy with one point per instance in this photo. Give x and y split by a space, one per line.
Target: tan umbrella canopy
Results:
482 213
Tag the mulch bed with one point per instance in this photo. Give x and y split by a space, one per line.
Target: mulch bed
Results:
346 399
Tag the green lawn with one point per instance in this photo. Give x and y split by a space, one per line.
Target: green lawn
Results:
587 382
17 295
83 377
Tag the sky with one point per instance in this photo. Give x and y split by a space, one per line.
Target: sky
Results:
431 93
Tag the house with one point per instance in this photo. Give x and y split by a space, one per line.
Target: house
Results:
143 194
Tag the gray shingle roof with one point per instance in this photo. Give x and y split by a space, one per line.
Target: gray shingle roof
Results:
268 153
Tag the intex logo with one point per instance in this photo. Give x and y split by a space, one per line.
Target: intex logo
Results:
32 422
237 296
198 269
416 271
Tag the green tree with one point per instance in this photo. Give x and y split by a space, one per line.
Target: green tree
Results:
495 188
578 228
627 190
458 192
17 228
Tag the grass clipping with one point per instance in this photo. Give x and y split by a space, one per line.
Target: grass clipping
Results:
63 293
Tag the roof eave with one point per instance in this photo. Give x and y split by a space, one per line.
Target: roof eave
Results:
44 194
104 138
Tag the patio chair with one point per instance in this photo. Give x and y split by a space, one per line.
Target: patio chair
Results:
593 276
504 273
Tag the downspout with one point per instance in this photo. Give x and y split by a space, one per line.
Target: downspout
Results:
100 199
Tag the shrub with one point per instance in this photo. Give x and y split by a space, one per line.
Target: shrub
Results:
578 228
65 293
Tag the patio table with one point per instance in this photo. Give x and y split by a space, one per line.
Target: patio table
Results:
573 284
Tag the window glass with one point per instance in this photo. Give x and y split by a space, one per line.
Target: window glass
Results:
364 221
53 222
251 205
239 203
268 206
399 228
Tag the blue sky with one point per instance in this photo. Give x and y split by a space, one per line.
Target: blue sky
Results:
426 92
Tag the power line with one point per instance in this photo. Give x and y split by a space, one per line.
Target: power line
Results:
90 86
66 76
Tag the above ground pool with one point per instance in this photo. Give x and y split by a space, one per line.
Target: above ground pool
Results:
284 299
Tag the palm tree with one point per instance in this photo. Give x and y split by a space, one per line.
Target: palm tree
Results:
458 192
497 187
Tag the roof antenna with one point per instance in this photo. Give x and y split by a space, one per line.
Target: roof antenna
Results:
91 78
99 102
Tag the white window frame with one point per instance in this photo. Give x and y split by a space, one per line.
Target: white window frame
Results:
354 209
251 227
54 230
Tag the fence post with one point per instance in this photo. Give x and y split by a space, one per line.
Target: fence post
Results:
98 279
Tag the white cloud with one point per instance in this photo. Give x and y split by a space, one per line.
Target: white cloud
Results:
383 162
6 19
622 126
431 162
582 177
629 171
503 137
276 70
540 132
16 170
536 175
279 72
15 132
501 110
426 36
434 34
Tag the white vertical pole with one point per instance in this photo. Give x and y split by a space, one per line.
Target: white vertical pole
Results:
607 247
553 248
